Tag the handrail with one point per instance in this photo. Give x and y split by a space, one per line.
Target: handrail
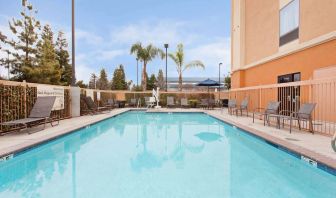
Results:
333 142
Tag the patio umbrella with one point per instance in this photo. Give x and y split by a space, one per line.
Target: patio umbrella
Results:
208 83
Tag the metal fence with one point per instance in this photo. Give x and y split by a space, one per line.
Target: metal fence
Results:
292 95
17 99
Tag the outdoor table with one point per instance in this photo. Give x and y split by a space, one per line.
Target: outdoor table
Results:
121 103
193 103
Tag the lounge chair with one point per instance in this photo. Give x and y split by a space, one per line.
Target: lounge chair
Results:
184 103
232 106
304 114
170 102
271 109
40 113
92 107
204 103
243 107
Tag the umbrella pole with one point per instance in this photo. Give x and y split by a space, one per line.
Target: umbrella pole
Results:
208 96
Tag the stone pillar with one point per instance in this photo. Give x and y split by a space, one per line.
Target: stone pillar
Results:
75 101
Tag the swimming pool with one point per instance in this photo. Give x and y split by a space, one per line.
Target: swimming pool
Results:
138 154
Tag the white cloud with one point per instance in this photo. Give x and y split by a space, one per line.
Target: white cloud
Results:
109 54
211 54
83 70
88 37
158 33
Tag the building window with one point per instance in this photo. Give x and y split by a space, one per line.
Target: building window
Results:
289 22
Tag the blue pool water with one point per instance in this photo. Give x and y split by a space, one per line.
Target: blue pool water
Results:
159 155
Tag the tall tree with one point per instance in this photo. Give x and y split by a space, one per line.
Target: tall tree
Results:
151 82
2 39
160 80
25 29
47 69
118 80
93 81
63 58
227 82
178 58
145 54
81 84
102 82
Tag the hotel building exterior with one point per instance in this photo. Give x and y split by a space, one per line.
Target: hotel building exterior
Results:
278 41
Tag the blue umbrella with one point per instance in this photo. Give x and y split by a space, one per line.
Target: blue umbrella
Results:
208 83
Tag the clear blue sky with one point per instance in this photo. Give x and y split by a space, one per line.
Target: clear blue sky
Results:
105 30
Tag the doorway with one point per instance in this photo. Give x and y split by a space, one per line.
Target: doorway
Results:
289 96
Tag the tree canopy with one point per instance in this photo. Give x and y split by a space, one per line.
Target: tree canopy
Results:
119 80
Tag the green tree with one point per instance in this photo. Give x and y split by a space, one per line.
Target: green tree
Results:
145 55
160 80
25 30
178 58
227 82
81 84
102 82
93 81
47 70
151 84
63 58
118 80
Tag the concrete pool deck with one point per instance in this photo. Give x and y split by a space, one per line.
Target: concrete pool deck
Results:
314 146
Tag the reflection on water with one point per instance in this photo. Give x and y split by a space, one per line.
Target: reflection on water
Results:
208 136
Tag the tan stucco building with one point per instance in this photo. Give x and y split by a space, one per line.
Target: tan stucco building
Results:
276 41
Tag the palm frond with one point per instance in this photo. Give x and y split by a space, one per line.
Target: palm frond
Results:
194 64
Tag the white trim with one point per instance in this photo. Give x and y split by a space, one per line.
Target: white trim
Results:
300 47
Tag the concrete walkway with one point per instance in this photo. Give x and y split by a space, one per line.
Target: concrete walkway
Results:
314 146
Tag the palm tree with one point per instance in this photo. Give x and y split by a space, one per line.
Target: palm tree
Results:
145 55
178 58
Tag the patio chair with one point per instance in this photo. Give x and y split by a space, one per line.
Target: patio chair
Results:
40 113
92 107
243 107
211 103
170 102
232 106
271 109
304 114
204 103
184 103
150 102
110 104
133 102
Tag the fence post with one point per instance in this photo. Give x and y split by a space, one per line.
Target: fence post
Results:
259 97
25 97
75 101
